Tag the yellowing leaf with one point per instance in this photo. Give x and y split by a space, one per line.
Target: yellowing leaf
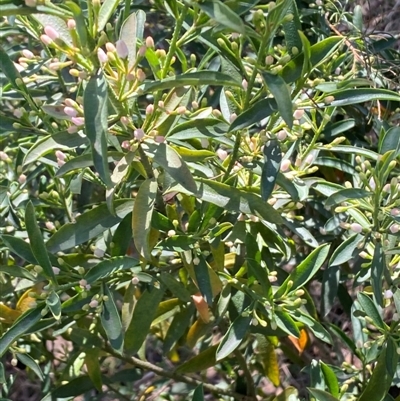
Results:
27 302
202 307
271 367
301 342
196 331
8 315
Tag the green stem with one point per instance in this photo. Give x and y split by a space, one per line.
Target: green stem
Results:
174 41
234 156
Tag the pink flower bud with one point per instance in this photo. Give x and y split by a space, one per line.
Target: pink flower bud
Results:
281 135
161 104
50 226
126 145
388 294
30 3
83 283
22 179
371 183
245 85
56 270
138 134
124 120
141 76
285 165
94 303
70 102
130 77
135 280
171 233
18 113
60 155
159 139
355 227
298 114
78 121
51 32
46 40
309 159
181 110
142 51
395 212
122 49
71 24
394 228
3 156
72 129
232 117
222 154
149 109
28 54
70 111
149 42
101 54
110 47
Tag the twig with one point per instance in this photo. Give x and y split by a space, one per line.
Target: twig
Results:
178 377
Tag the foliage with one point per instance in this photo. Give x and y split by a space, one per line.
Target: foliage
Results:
203 184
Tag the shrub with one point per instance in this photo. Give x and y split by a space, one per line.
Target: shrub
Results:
204 191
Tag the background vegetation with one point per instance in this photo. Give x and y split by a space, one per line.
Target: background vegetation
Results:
199 200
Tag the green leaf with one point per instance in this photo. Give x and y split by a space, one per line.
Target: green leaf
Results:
203 279
122 237
236 200
78 163
330 379
20 248
346 195
371 310
361 95
176 287
19 328
382 376
355 150
110 266
143 315
305 271
106 11
141 216
330 285
319 53
111 321
132 30
223 15
178 327
286 323
272 161
254 114
54 304
377 267
81 28
88 226
280 91
200 362
344 252
57 23
36 242
95 100
198 394
28 361
292 28
75 387
92 362
318 330
321 395
169 159
62 140
390 141
17 271
194 79
234 336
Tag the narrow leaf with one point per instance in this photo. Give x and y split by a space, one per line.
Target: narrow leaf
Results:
36 242
141 216
96 113
143 315
232 339
111 321
270 170
280 91
106 11
345 195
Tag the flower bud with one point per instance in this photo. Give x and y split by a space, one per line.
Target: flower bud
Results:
51 32
394 228
149 109
71 24
150 42
22 179
70 111
355 227
222 154
46 40
110 47
142 51
285 165
298 114
28 54
140 75
122 49
102 56
78 121
139 134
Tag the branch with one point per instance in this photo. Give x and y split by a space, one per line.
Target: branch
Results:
178 377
